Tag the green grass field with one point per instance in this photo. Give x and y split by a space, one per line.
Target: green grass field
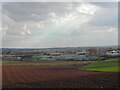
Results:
110 65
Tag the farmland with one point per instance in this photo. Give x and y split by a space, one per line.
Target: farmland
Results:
46 63
109 65
57 74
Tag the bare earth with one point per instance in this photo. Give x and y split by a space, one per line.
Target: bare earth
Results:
56 77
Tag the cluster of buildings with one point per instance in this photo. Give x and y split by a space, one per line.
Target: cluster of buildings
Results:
113 53
67 55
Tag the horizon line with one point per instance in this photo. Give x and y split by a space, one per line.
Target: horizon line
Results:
60 47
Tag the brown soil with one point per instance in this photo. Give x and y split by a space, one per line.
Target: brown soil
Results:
56 77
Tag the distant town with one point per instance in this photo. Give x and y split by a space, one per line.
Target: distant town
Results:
60 54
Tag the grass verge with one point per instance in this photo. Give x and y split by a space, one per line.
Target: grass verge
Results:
46 63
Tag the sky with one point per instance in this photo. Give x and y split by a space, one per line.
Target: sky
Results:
59 24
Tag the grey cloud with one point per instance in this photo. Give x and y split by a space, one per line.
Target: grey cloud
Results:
105 17
105 4
23 11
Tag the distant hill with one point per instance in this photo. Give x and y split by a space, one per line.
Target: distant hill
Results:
56 48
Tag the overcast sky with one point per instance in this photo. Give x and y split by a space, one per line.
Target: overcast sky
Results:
57 24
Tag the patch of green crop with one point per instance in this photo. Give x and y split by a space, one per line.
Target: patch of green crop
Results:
55 53
110 65
8 62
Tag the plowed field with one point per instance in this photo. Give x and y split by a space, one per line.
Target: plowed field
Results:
56 77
